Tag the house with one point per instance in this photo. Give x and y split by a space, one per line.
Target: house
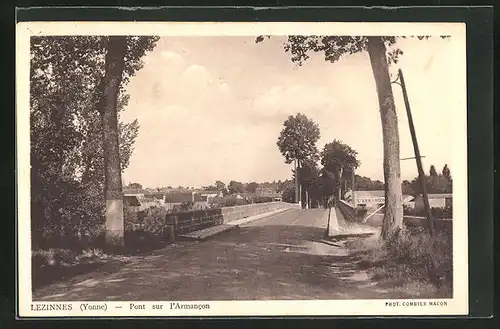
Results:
177 198
264 191
155 196
442 200
131 202
207 195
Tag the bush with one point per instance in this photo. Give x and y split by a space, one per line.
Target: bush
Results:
438 213
144 229
52 257
227 201
420 257
262 199
360 212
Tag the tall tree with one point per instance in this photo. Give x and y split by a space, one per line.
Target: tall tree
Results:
337 157
135 186
393 218
220 186
433 184
115 63
432 171
446 172
297 142
407 187
334 47
308 174
66 86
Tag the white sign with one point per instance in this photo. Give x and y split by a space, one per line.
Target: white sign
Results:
365 200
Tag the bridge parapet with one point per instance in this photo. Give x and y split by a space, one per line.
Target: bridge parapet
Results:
189 221
348 210
350 214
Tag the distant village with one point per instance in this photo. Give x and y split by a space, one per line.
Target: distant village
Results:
369 195
138 198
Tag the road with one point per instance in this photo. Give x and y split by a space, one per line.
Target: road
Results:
279 257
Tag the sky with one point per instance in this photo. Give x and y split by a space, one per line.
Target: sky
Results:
211 108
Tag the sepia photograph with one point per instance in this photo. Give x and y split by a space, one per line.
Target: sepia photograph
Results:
316 165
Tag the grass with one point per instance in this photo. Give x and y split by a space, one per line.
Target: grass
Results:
410 261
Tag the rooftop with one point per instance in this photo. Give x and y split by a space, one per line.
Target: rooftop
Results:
369 194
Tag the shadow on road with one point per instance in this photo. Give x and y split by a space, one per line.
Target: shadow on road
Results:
252 263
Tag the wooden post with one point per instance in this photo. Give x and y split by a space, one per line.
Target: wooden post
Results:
421 175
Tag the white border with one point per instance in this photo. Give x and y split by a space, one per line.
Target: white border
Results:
458 305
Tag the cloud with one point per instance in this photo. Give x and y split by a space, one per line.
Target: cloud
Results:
171 62
196 76
285 100
211 113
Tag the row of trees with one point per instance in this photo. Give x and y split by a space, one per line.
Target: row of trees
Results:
232 187
435 183
333 48
235 187
314 184
79 145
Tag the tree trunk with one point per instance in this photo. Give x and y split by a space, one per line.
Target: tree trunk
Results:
296 181
307 199
393 217
115 62
299 184
339 184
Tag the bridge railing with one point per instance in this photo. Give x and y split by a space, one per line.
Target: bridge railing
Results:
441 224
189 221
347 210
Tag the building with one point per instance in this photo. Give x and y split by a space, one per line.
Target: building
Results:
443 200
265 191
207 195
199 200
131 202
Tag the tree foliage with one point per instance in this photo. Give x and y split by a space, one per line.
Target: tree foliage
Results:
220 186
235 187
363 183
434 185
381 56
66 75
334 47
251 187
446 172
432 171
297 140
135 186
336 156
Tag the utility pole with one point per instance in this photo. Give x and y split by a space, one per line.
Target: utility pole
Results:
418 158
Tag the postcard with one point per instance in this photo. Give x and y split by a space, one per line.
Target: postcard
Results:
202 169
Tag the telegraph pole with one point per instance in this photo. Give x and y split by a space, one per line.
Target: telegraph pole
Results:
418 158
